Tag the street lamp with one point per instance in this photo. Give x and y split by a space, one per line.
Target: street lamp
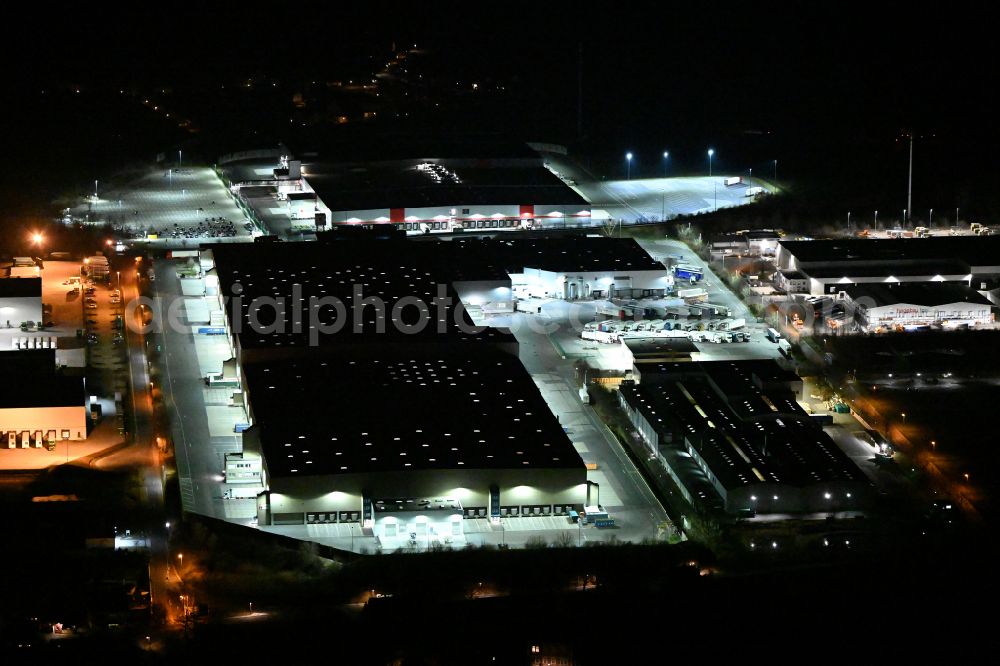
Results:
663 194
711 151
876 220
848 221
750 178
776 169
930 219
628 166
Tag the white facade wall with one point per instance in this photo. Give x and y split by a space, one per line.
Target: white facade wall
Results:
20 309
56 422
494 294
459 212
832 285
537 283
344 492
904 314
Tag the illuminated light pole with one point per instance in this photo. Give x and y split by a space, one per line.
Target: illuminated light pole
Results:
848 221
628 166
876 220
909 185
776 169
711 151
750 178
930 219
663 194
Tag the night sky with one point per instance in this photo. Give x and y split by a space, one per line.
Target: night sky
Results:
827 92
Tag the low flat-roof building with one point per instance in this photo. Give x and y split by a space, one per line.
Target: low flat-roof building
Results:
38 403
641 351
888 307
20 301
419 184
831 264
738 422
574 267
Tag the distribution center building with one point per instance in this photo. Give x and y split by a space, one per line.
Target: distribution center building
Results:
418 185
476 438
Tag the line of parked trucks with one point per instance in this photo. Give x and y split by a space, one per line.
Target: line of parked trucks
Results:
719 331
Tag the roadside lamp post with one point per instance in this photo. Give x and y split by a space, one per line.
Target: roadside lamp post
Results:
930 219
848 221
750 178
663 194
776 169
711 151
628 166
876 220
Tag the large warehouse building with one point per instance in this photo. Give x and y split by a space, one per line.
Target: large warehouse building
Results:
733 436
420 186
828 265
388 329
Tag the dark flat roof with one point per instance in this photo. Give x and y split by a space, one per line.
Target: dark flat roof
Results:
403 184
745 434
885 268
30 379
460 412
570 254
971 250
655 346
20 287
916 293
388 269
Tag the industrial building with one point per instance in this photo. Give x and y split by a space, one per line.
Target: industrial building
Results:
39 403
733 437
420 186
573 267
20 301
754 242
341 424
640 351
828 265
888 307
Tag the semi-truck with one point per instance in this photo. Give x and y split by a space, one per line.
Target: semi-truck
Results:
693 295
692 273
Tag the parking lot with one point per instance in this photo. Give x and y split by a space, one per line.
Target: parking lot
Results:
169 206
